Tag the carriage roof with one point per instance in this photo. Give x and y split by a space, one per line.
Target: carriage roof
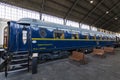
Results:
59 26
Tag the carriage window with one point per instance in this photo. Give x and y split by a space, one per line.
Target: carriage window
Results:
5 44
59 34
75 36
105 38
85 36
98 37
102 38
108 38
93 37
113 38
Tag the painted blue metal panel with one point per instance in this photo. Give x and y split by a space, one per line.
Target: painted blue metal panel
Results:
15 37
12 46
46 42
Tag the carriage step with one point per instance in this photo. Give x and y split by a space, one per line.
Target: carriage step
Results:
19 61
14 54
20 64
19 56
20 52
15 60
17 70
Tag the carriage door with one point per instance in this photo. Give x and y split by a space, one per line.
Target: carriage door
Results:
24 38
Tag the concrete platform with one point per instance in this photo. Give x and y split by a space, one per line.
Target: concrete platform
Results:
97 69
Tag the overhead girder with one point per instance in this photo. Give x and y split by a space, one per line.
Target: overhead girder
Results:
71 8
109 20
114 6
41 8
86 16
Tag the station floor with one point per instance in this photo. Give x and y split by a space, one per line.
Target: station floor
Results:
64 69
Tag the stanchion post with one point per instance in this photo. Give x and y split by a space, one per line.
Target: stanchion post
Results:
34 63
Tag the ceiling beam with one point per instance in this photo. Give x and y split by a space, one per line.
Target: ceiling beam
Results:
86 16
109 20
106 6
71 8
23 4
41 8
65 6
116 29
113 27
58 13
114 6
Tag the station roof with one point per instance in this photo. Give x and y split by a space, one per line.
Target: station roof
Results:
99 13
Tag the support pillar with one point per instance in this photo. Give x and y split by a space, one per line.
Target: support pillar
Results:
65 21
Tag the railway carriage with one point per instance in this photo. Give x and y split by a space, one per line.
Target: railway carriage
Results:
48 38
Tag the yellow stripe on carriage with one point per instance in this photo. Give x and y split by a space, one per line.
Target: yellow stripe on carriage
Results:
69 39
55 39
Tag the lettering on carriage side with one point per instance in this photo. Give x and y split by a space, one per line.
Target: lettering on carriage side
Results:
42 48
45 44
35 48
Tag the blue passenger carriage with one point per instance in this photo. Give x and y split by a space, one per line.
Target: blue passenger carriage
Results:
46 38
